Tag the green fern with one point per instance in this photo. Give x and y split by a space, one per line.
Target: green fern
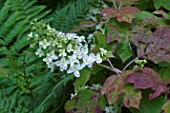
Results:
74 12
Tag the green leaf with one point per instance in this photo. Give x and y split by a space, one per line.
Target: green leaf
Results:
150 106
125 51
165 74
83 79
163 3
87 101
100 40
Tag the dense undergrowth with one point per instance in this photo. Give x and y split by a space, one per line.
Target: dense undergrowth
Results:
84 56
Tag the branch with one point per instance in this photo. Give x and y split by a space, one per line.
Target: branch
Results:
132 61
111 69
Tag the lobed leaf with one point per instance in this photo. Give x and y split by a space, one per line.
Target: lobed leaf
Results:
153 46
147 78
115 85
126 14
87 101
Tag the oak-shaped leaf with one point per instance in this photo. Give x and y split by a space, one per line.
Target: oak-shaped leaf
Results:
153 46
145 78
126 14
115 85
86 101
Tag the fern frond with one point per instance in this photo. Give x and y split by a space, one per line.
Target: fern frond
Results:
70 15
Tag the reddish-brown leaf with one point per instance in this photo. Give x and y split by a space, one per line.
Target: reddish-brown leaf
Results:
115 85
155 46
147 78
109 13
126 14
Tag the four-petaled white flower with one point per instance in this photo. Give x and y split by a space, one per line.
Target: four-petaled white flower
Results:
96 58
39 52
75 69
87 60
73 59
63 64
47 60
103 51
44 43
70 35
62 52
52 55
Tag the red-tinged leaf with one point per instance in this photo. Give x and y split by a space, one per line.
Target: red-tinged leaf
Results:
84 99
166 107
109 13
154 46
147 78
131 97
115 85
126 14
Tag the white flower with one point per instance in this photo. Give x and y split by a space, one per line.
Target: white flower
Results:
39 52
75 69
51 66
69 48
30 35
47 60
70 35
76 48
63 64
96 58
103 51
61 34
87 60
52 55
44 43
82 52
62 53
73 59
79 39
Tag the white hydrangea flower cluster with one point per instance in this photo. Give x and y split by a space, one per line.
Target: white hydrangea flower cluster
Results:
69 52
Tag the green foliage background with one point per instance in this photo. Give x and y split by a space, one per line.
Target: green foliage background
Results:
26 85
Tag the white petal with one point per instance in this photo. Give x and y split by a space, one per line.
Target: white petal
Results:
70 70
77 74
